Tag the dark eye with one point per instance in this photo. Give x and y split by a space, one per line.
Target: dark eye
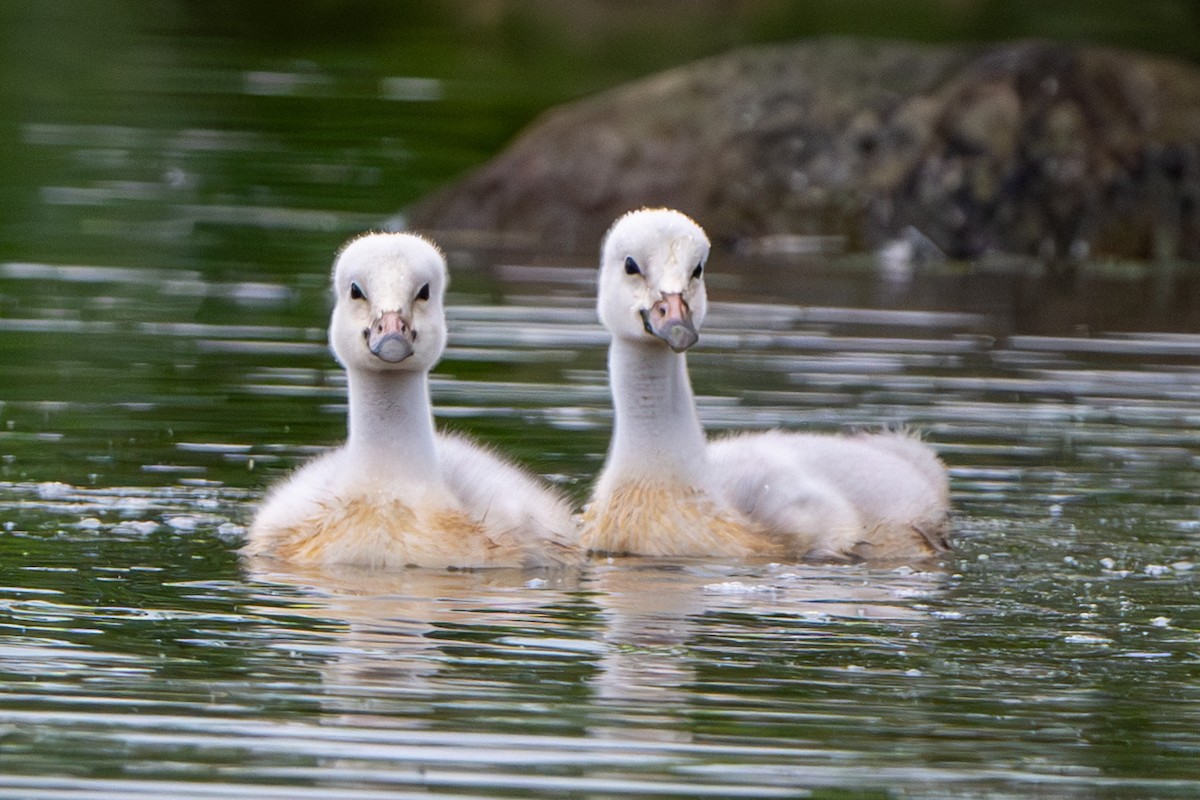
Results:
631 266
356 292
424 293
698 271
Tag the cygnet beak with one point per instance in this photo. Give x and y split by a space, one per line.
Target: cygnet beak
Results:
670 319
391 337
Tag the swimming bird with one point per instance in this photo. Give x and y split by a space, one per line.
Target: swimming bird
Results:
398 493
667 490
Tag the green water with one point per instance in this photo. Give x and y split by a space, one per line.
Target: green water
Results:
173 198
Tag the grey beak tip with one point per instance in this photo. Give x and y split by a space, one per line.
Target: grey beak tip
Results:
680 338
679 334
394 347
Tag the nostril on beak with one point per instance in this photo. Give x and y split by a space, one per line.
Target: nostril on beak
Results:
379 326
391 337
663 307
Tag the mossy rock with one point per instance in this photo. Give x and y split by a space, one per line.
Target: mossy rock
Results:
1032 147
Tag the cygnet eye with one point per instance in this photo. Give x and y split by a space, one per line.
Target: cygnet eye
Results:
423 294
631 266
356 292
697 272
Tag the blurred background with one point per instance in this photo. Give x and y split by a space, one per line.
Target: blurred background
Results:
175 177
187 126
182 162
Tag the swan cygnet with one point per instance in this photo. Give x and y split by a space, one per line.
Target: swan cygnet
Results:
398 493
665 489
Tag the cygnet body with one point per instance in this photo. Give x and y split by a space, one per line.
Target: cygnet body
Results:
398 493
665 489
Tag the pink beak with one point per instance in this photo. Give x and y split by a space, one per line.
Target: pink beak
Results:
670 319
391 337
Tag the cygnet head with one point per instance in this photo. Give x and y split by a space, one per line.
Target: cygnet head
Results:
387 313
651 286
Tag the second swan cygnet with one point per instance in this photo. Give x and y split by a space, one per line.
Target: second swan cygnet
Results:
398 493
667 490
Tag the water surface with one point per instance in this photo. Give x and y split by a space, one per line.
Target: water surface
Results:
163 360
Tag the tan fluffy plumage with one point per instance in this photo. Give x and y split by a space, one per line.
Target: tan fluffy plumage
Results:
398 493
657 519
666 490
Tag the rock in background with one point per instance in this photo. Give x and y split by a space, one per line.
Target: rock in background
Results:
1035 148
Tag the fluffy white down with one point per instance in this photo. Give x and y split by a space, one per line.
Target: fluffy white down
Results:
398 493
500 494
831 492
878 496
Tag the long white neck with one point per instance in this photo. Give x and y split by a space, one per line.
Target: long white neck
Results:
656 432
391 426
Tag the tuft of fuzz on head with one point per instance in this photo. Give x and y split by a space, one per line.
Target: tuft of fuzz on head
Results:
651 282
388 303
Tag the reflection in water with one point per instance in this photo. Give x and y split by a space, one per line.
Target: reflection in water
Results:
659 616
135 638
163 302
173 213
626 639
397 632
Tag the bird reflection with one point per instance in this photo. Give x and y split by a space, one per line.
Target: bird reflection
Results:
625 645
665 621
